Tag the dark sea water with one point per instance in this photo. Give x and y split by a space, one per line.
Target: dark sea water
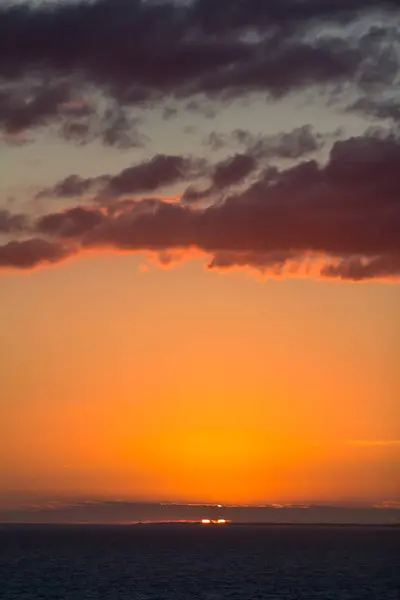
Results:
168 562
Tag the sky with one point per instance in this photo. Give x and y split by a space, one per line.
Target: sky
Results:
199 253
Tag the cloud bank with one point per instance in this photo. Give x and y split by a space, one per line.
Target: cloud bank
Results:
114 511
142 52
276 204
341 218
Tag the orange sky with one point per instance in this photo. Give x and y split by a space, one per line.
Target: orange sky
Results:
187 385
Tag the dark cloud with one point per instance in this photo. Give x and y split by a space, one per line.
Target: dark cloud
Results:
75 131
147 54
292 145
381 59
109 42
258 148
216 141
160 171
169 112
274 262
28 105
31 253
140 51
229 172
71 223
346 213
381 108
361 268
73 186
202 107
284 67
115 128
11 223
233 170
285 145
229 15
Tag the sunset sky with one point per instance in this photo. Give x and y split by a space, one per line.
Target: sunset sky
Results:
200 251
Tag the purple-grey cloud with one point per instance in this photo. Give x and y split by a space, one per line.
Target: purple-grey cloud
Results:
11 223
233 170
165 170
286 145
345 212
381 108
71 223
143 50
26 106
31 253
160 171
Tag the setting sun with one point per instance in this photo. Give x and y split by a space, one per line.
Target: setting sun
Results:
214 521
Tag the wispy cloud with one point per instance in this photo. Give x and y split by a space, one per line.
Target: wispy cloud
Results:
372 443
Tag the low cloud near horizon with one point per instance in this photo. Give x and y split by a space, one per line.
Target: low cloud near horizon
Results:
63 511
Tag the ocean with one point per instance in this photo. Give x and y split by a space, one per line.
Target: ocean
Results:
199 562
